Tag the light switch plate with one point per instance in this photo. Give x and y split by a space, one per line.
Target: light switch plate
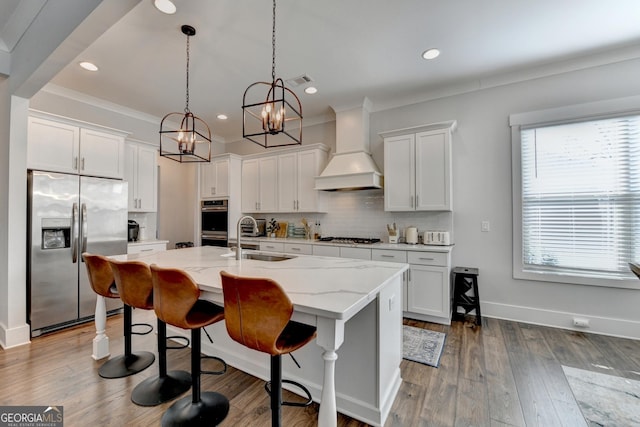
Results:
485 226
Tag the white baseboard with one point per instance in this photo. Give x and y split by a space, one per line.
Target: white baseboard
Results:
14 337
564 320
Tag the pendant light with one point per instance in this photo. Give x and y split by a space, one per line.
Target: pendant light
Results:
191 140
274 120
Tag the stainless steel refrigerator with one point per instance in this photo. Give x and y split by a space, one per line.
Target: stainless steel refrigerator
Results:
69 215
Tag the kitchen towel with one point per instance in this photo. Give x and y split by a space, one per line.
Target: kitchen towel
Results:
422 345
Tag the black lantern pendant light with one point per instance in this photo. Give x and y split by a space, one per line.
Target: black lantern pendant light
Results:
274 120
191 141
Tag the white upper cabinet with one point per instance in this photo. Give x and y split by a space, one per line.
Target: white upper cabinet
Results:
417 168
217 176
141 166
63 146
296 181
259 189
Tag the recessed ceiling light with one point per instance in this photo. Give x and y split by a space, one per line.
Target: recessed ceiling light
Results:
431 53
222 116
310 90
165 6
89 66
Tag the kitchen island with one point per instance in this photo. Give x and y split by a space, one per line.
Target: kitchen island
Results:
356 306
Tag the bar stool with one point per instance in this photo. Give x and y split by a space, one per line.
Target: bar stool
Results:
176 301
133 279
258 315
103 283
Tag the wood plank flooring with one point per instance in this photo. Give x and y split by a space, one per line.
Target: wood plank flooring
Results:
501 374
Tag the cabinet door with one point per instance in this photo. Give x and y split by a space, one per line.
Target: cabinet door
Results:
214 178
399 173
221 188
147 179
287 182
52 146
309 166
101 154
268 172
428 291
433 171
250 188
131 175
207 180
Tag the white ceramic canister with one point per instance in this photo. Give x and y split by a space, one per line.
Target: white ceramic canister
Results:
411 235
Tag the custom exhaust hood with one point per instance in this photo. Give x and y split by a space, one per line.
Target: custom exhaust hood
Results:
351 167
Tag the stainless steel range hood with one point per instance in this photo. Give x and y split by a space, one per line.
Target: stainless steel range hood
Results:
351 167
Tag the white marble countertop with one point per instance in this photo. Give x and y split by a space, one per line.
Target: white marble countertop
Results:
380 245
337 288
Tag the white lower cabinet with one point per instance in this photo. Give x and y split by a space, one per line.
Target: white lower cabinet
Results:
428 288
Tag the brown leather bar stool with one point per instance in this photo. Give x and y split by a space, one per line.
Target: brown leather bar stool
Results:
176 301
133 279
258 315
103 283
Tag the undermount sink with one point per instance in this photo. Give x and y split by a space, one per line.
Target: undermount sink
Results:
266 257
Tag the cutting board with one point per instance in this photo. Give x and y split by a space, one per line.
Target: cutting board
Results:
282 231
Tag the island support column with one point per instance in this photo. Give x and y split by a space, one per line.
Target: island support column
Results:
101 340
330 337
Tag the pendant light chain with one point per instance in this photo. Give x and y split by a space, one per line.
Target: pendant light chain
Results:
186 108
273 45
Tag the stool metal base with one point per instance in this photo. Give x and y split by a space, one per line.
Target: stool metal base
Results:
156 390
210 410
123 366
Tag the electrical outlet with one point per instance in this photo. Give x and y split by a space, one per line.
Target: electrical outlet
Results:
392 302
485 226
580 322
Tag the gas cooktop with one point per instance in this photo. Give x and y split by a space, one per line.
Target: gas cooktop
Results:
349 240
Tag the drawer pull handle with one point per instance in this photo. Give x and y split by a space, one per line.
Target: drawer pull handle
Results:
295 249
387 256
146 250
427 259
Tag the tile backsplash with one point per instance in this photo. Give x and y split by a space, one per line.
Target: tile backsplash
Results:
361 214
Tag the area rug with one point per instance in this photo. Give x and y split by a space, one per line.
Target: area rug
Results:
605 400
422 345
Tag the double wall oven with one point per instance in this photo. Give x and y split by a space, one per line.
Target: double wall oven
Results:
214 220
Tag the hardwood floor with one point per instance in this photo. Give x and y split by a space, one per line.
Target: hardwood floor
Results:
501 374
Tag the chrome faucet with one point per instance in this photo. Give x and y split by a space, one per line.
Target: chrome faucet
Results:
255 230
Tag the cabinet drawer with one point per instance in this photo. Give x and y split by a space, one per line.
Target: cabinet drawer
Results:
297 248
428 258
356 253
325 250
388 255
146 248
272 246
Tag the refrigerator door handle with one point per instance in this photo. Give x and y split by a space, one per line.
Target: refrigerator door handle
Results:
83 218
74 235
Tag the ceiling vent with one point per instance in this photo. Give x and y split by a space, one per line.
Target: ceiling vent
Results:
300 80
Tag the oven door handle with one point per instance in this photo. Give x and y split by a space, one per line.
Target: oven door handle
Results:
214 209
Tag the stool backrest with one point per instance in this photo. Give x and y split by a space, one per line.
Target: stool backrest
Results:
256 311
133 280
100 275
174 295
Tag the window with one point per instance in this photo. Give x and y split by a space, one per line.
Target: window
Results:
578 200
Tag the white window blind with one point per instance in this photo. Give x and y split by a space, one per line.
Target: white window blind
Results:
581 197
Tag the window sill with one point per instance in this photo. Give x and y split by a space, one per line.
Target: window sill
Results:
572 279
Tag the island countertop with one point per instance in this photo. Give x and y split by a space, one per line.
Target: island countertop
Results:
330 287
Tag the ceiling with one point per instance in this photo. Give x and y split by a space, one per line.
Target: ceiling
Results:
351 49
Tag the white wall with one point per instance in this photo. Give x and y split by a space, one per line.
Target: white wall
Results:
482 191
